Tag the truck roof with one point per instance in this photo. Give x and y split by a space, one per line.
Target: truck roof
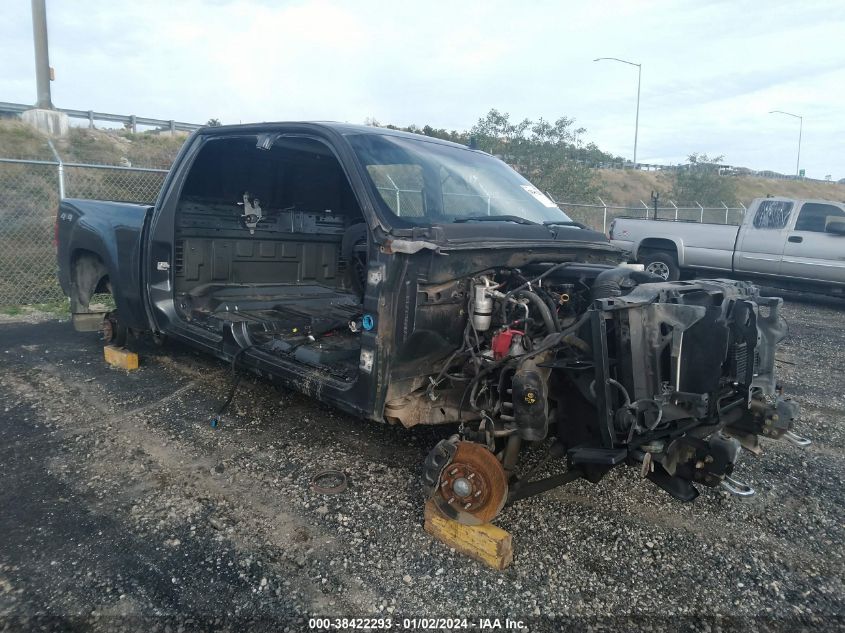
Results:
797 200
344 129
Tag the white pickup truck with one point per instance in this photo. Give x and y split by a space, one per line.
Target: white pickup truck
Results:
783 242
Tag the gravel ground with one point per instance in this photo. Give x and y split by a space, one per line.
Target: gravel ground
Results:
121 509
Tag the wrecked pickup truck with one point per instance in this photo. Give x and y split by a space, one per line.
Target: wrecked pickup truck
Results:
410 281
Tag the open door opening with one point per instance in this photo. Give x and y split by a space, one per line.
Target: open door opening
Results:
271 247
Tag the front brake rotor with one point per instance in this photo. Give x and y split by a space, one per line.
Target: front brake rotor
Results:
472 488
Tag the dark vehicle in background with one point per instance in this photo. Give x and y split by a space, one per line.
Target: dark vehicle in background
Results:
412 281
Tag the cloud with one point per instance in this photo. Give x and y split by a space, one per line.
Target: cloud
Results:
711 71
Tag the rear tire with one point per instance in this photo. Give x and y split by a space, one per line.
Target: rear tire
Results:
663 264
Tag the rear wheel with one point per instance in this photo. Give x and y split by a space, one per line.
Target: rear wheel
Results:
661 263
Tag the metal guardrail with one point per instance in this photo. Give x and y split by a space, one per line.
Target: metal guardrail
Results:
130 120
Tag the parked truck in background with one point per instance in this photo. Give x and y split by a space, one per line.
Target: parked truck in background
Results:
783 242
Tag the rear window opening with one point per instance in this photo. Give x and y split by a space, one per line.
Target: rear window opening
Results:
272 243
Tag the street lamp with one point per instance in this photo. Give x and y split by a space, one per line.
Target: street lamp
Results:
639 81
800 131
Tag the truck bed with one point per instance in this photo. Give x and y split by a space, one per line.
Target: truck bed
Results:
699 245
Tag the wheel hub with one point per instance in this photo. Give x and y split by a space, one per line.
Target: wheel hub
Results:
472 488
658 268
462 487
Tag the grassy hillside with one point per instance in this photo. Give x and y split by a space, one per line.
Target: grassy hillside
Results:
751 187
29 195
112 147
628 187
147 149
21 141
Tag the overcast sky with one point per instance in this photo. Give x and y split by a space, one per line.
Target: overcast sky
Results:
711 70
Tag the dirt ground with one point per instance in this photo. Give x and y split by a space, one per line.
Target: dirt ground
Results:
122 509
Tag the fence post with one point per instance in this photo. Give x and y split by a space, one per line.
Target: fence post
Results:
702 212
398 197
646 209
60 169
672 202
726 212
604 218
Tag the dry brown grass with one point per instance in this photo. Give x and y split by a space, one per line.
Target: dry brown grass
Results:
102 147
750 187
116 147
18 140
627 187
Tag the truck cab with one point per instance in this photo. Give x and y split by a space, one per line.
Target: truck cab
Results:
798 239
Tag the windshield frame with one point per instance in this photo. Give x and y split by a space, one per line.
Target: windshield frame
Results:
505 177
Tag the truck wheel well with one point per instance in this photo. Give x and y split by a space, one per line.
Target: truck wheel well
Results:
89 276
656 244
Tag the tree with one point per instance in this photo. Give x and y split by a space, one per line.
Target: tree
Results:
545 153
494 133
699 181
552 155
213 123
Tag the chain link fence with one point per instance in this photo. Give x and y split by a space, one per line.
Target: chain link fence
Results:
410 203
599 216
120 184
30 191
403 202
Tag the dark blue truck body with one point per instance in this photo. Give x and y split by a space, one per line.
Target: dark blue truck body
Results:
290 249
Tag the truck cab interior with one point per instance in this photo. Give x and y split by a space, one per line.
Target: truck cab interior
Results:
271 247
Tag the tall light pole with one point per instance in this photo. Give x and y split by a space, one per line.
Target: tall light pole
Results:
639 81
800 131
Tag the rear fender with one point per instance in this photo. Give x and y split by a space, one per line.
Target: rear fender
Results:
674 245
100 252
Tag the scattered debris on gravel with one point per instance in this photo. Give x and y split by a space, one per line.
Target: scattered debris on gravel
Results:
123 509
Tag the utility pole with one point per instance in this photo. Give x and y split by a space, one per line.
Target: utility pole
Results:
639 82
637 120
43 116
42 55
